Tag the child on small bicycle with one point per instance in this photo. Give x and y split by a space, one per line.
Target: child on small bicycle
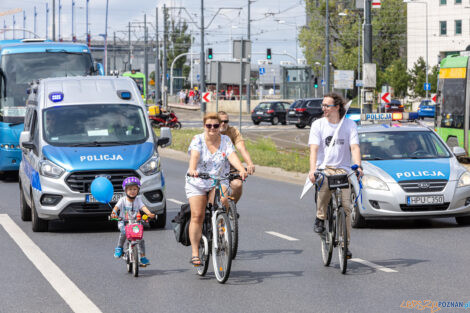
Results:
128 207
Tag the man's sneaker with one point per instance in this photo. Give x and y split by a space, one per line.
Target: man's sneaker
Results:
144 261
348 254
118 252
319 226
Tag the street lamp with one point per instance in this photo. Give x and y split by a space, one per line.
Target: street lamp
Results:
409 1
296 36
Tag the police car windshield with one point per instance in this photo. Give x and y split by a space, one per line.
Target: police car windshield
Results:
94 125
394 145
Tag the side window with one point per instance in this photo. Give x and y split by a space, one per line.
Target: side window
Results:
35 130
314 104
27 118
286 105
279 107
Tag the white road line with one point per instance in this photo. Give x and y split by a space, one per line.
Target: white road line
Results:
175 201
281 236
373 265
72 295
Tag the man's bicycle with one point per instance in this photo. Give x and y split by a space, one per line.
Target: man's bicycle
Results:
216 237
336 231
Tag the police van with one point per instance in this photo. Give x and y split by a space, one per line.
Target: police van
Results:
80 128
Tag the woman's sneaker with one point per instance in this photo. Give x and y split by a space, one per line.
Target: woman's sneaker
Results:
144 261
118 252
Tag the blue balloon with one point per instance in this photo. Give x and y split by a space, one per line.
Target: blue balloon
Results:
102 189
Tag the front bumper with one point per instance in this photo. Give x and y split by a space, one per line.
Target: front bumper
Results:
73 204
261 118
392 203
10 159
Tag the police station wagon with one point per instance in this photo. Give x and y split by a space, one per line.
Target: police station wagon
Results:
410 172
79 128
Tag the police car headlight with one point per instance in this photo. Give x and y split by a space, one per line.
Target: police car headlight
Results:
49 169
152 166
464 180
372 182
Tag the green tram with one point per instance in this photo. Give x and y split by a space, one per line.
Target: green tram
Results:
452 117
139 79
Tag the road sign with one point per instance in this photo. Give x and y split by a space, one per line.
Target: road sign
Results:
427 86
323 82
385 97
376 4
262 70
343 79
206 97
359 83
434 98
198 77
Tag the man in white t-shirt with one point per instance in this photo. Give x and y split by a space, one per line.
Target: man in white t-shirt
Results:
339 158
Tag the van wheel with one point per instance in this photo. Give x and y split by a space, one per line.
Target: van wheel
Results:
25 209
161 220
300 126
275 120
39 225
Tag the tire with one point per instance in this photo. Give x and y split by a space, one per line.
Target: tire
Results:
256 122
310 121
232 215
357 220
275 120
327 240
463 220
177 125
156 124
127 258
204 256
222 255
135 261
300 126
342 236
25 209
161 220
284 121
38 225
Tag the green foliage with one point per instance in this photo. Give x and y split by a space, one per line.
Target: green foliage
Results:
418 78
397 77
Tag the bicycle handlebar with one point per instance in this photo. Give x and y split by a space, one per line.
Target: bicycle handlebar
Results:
229 176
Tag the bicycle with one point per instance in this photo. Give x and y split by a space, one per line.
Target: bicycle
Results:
216 239
336 232
233 217
134 233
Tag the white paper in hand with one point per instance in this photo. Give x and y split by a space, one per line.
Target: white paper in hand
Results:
307 186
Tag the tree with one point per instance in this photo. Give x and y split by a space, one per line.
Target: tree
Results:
397 77
418 78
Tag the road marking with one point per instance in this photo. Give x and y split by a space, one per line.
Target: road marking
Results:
71 294
373 265
175 201
281 236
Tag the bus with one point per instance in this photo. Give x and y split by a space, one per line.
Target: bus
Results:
25 61
139 79
452 117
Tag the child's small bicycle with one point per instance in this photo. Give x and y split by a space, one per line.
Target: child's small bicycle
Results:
131 250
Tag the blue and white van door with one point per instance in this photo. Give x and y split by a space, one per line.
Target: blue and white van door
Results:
30 156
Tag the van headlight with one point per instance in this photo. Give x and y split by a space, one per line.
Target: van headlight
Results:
49 169
464 180
152 165
372 182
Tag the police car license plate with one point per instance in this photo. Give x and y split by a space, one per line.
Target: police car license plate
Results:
90 199
420 200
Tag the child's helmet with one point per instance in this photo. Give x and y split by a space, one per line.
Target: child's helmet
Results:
130 181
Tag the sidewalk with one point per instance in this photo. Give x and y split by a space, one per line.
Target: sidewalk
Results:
191 107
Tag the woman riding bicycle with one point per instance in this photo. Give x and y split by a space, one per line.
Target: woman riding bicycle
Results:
212 153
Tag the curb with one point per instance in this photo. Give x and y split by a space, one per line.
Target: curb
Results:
185 107
267 172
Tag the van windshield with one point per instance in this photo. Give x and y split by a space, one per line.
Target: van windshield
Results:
94 125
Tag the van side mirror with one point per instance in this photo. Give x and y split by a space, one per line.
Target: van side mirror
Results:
25 136
98 68
459 151
165 137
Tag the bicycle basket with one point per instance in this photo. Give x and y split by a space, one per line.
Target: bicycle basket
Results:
134 231
338 181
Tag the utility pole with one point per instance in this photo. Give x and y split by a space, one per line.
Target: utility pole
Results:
73 7
248 85
327 44
47 21
60 13
164 64
367 52
106 41
24 25
88 39
157 60
114 51
53 20
35 18
130 64
202 61
146 60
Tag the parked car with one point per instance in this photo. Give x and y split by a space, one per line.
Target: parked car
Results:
394 106
354 114
304 111
426 109
272 111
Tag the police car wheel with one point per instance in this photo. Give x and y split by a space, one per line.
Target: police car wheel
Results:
38 224
357 220
463 220
25 209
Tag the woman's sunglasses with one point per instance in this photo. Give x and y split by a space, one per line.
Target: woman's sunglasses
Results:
215 126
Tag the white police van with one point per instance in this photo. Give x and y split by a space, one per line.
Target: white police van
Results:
79 128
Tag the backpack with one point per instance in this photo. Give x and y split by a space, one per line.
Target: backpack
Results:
181 225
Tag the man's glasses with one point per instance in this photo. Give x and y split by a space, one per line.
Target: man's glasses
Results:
215 126
324 105
224 121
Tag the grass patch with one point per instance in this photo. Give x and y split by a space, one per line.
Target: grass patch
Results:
263 151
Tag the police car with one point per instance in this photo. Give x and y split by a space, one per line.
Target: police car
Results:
409 172
79 128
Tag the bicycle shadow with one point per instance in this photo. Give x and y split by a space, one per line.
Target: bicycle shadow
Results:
416 223
248 255
356 268
252 278
160 272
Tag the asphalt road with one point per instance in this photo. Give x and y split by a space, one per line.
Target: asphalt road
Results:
410 260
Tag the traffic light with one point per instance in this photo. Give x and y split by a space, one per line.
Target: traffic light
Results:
268 53
315 82
209 53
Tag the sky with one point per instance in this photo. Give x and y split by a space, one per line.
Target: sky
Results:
266 31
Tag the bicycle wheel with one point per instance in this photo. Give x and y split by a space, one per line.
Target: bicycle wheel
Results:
232 215
135 261
127 258
204 256
222 254
342 240
327 238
